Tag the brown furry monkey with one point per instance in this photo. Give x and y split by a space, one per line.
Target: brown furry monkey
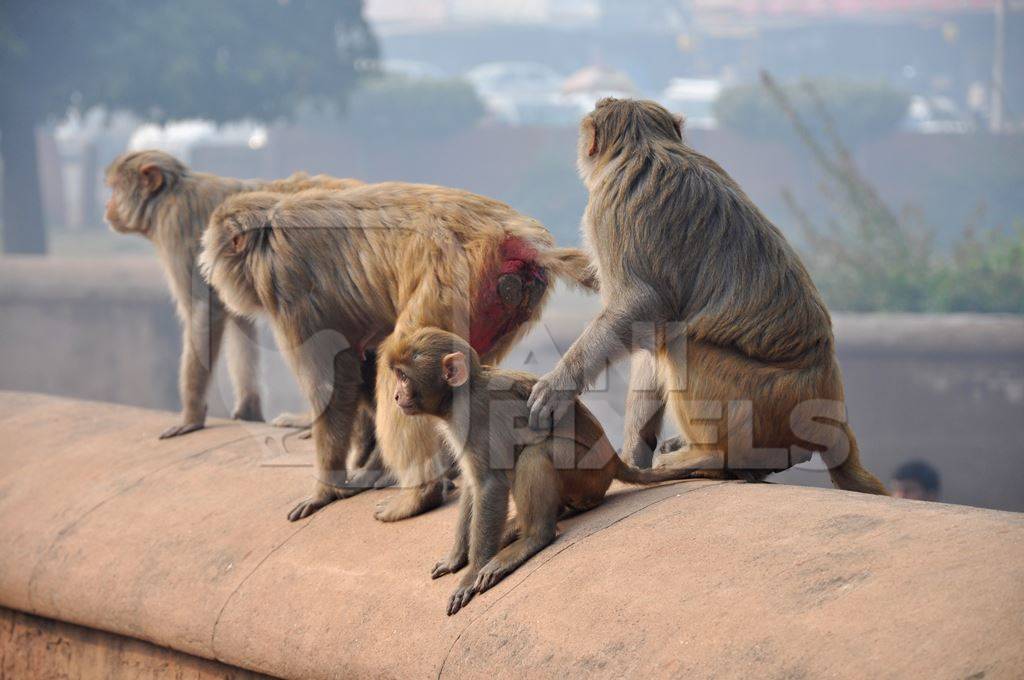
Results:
156 196
732 335
483 414
341 273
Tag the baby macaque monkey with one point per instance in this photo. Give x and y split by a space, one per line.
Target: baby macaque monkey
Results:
483 413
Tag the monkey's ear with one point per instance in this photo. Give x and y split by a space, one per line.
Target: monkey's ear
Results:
678 121
240 241
456 370
589 132
152 177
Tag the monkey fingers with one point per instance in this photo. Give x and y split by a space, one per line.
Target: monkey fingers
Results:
307 507
548 405
460 598
489 575
449 565
412 501
183 428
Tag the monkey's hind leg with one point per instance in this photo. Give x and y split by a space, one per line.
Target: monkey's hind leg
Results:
243 366
538 502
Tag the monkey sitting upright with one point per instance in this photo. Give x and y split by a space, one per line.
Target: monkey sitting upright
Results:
726 328
483 413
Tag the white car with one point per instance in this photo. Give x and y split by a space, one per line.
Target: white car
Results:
694 99
522 93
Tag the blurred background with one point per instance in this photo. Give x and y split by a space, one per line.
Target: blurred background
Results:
884 137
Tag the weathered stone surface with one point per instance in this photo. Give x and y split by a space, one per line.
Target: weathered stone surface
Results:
184 543
34 647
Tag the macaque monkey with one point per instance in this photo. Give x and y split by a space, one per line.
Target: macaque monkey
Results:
339 274
156 196
482 411
729 332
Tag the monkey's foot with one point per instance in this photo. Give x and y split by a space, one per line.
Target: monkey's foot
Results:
490 574
449 565
460 598
311 505
412 502
249 410
183 428
299 420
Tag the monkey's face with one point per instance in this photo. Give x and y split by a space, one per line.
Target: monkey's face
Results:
408 392
428 367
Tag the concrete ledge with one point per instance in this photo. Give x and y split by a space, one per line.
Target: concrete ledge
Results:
33 647
183 543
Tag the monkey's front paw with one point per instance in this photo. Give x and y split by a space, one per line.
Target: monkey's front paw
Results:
547 405
181 429
460 598
307 508
449 565
385 513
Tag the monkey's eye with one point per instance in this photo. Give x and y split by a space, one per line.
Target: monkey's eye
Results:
401 375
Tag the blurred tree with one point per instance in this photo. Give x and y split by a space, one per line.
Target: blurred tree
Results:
861 110
396 106
868 258
163 58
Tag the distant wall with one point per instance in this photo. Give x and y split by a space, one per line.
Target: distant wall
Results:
948 389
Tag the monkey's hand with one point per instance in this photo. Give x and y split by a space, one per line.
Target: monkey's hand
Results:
547 404
449 565
183 428
461 597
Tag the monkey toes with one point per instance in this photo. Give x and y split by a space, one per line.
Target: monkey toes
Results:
489 576
178 430
449 565
307 508
460 598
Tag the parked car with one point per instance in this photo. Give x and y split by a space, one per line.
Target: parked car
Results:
522 93
937 115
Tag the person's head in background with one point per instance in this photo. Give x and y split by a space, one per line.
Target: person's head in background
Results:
916 480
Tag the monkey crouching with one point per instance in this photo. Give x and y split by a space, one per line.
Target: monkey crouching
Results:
483 413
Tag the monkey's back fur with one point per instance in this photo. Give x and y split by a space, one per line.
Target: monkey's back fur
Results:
377 261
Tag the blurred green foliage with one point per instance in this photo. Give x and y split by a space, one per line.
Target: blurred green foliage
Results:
867 258
394 105
862 110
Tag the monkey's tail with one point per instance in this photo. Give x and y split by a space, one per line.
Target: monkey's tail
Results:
850 475
631 475
570 264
